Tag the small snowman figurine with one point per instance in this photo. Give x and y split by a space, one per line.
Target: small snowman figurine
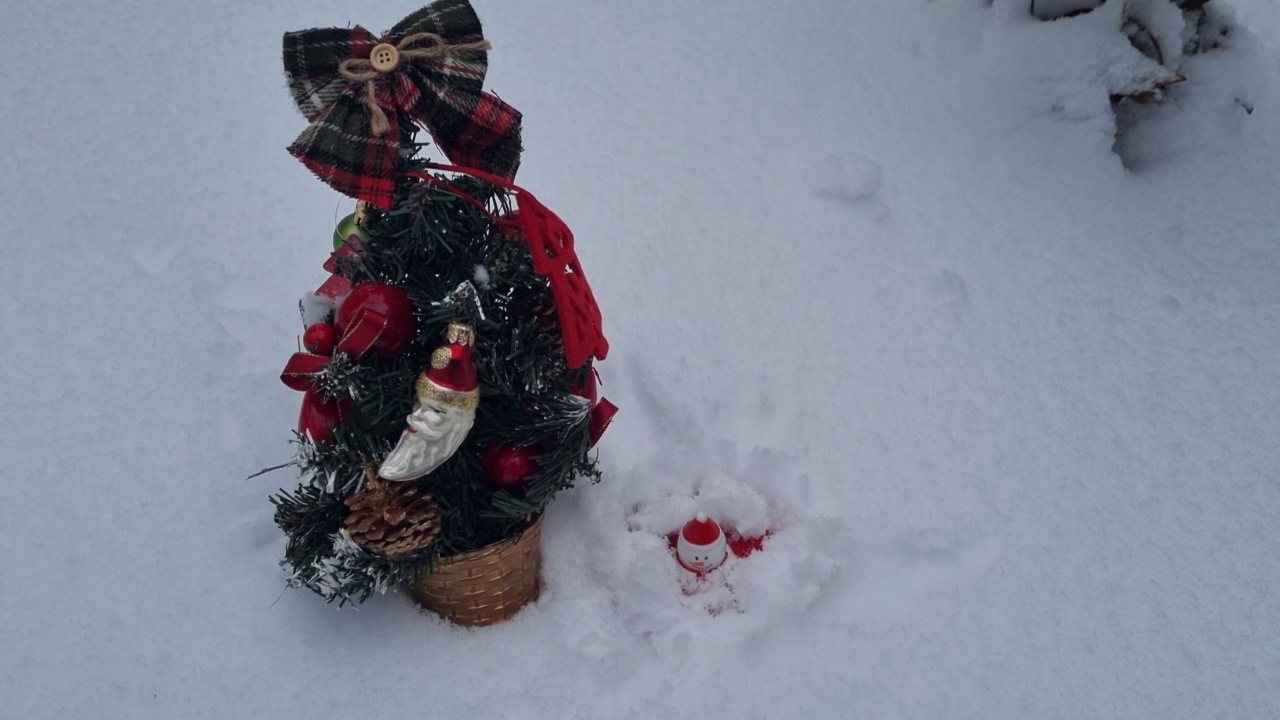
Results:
701 547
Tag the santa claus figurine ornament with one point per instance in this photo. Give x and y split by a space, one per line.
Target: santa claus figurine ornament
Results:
444 412
701 546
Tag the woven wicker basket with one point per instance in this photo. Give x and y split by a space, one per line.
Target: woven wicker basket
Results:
485 586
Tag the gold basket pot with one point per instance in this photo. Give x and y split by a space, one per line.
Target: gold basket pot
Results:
485 586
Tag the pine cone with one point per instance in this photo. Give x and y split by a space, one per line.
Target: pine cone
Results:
391 519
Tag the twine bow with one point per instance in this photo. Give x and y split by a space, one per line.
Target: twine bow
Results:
357 107
362 70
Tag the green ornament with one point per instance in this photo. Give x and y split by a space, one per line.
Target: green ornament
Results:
346 228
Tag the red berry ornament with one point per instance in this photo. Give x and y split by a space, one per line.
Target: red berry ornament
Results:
508 466
320 339
380 300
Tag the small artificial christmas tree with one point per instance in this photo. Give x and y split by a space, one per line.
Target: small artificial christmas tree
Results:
450 392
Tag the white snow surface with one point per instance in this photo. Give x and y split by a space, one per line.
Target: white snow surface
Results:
873 278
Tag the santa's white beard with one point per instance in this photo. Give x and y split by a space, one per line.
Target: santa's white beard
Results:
435 433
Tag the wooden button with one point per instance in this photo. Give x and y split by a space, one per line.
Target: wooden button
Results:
384 57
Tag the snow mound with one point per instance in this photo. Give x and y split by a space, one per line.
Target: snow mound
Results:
616 566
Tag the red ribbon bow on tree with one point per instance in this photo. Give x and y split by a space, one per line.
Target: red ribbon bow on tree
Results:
319 414
358 91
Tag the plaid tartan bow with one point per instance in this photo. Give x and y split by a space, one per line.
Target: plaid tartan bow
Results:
443 93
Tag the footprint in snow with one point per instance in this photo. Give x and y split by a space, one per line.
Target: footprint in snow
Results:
850 179
951 290
231 292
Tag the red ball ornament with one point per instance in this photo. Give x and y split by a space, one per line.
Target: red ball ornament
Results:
508 466
387 301
320 415
320 339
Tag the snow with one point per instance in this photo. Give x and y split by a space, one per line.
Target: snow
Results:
873 276
314 308
847 177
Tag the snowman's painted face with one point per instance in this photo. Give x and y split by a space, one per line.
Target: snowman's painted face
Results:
703 557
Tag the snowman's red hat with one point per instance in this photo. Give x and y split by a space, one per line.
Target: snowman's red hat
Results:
701 531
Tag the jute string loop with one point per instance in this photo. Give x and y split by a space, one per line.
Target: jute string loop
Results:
360 70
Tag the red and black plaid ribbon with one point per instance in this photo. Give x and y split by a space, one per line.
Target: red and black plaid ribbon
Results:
443 94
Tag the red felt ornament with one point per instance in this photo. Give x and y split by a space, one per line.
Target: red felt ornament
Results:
550 243
602 411
320 339
508 466
338 286
601 415
334 287
384 307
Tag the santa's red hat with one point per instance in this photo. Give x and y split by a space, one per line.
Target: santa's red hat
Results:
451 379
